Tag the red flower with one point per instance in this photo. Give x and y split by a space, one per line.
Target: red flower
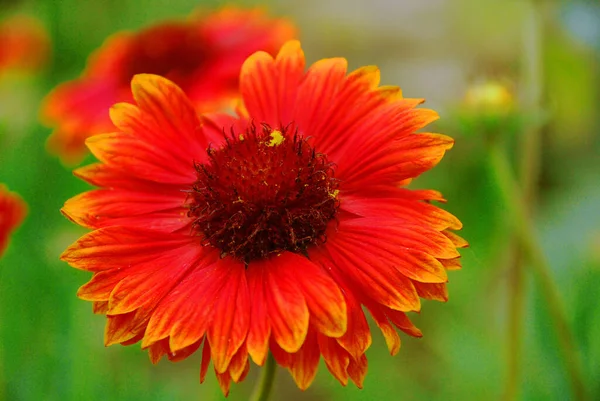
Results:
12 212
25 44
203 56
267 231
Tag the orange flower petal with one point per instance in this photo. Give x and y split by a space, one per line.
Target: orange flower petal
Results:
260 326
239 364
101 208
372 274
122 328
288 312
157 350
336 358
231 318
401 321
317 91
357 370
141 159
405 158
392 339
323 296
224 380
153 280
184 315
205 360
166 110
258 87
458 241
108 247
452 264
100 307
411 237
357 338
304 363
433 291
289 65
409 211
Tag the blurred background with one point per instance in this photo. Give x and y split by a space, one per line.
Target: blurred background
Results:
511 68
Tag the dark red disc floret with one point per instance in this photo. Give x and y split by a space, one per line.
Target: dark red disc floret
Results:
263 192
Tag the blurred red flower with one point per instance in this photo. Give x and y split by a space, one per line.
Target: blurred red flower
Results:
25 45
266 231
12 212
203 55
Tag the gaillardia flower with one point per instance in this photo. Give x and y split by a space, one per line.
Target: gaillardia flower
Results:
267 231
202 55
12 212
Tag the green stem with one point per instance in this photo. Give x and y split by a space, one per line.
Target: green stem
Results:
265 385
529 166
525 235
515 322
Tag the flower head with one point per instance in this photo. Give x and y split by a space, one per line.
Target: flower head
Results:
265 231
203 56
25 44
12 212
489 96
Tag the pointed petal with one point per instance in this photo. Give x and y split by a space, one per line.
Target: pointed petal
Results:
357 370
103 207
231 320
452 264
304 363
288 312
357 338
406 211
154 279
142 159
180 355
224 380
239 364
392 339
412 237
401 321
100 308
122 328
433 291
260 326
318 89
101 175
458 241
405 158
185 313
205 360
323 296
157 350
167 110
372 275
108 247
268 86
336 358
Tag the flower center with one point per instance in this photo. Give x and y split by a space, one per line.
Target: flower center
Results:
262 193
171 50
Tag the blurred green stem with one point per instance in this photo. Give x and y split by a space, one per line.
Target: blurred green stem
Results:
529 144
526 238
263 388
